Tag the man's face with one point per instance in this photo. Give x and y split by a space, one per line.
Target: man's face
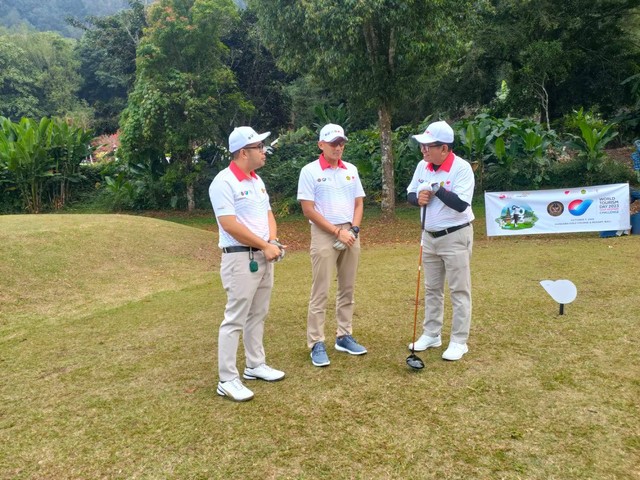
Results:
256 154
434 152
332 150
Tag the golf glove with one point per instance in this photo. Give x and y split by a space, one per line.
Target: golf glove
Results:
282 251
338 245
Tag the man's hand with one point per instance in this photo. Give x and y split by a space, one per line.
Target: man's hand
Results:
271 252
424 197
347 237
282 247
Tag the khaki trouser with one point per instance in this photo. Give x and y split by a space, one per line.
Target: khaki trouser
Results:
450 256
248 296
324 260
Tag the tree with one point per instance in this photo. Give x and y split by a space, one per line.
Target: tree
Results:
18 88
184 95
107 51
554 56
40 75
261 81
372 53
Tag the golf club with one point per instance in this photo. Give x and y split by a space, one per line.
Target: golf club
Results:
413 360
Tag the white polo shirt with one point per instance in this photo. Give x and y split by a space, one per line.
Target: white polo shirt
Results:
232 192
333 190
455 174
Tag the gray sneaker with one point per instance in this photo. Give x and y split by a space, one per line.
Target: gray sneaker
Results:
319 355
347 343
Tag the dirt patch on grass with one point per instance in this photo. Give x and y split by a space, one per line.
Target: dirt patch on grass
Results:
622 155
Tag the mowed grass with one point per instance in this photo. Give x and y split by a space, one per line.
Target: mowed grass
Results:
108 333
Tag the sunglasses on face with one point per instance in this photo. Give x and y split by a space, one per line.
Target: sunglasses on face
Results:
337 143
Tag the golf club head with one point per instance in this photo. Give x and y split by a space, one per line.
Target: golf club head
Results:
415 362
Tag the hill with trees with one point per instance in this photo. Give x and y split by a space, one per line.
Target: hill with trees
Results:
51 15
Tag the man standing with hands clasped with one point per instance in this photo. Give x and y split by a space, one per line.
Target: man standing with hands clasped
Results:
443 185
249 246
332 198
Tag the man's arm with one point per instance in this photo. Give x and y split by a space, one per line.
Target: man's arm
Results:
245 236
358 211
451 200
309 211
273 226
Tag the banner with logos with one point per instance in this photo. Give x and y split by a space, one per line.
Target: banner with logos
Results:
584 209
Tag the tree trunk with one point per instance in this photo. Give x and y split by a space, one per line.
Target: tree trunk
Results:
187 161
191 201
386 148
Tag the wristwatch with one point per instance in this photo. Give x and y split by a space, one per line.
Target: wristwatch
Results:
356 230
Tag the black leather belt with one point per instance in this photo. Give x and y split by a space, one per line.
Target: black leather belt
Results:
239 249
442 233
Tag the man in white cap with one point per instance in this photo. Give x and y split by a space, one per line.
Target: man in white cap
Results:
332 198
442 186
248 239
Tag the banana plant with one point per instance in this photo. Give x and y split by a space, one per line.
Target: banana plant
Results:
591 144
24 152
69 146
475 137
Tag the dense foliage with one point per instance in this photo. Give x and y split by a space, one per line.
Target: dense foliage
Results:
372 56
535 90
39 161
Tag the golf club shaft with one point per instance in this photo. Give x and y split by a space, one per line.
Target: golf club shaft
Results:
415 311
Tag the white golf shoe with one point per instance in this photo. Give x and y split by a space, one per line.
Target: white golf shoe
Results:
263 372
424 342
235 390
455 351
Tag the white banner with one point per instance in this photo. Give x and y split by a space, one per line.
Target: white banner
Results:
582 209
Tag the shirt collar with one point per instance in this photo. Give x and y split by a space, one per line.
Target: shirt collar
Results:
324 164
240 175
446 165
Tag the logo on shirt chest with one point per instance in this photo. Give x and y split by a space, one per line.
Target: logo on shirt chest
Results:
442 183
348 178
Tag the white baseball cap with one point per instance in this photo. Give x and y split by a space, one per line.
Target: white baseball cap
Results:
436 132
330 132
243 136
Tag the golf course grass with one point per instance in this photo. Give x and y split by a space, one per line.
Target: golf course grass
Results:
108 333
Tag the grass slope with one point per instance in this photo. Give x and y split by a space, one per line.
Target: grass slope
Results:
123 385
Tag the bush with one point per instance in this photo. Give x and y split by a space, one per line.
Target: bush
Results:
574 173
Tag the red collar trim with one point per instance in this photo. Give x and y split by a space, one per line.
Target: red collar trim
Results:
324 164
446 165
240 175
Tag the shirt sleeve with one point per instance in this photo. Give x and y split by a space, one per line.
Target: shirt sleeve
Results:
221 196
359 190
306 186
464 183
